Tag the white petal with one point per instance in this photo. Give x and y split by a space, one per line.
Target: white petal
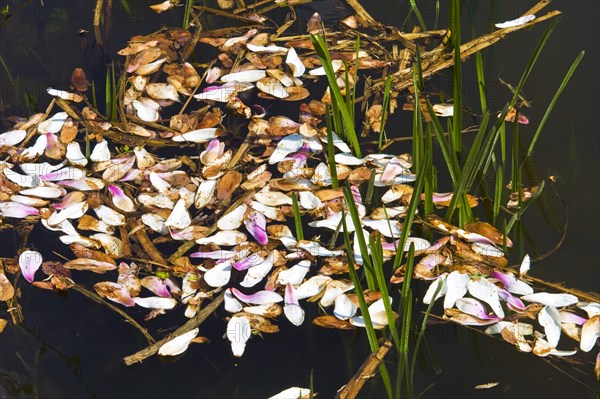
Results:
74 154
233 219
155 302
101 152
12 137
292 393
179 217
591 308
228 238
232 305
155 222
590 333
53 124
333 290
556 300
525 265
197 136
344 307
337 65
219 275
238 333
295 274
515 22
440 284
273 198
205 193
456 284
179 344
550 320
256 273
249 76
312 286
293 61
287 145
486 291
109 216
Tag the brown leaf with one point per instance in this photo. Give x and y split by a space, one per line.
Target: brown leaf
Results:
89 264
86 253
486 230
228 184
374 117
7 291
55 268
329 321
3 323
360 175
68 132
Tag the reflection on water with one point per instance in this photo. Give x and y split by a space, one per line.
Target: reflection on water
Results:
71 347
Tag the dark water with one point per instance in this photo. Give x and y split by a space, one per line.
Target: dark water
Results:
70 347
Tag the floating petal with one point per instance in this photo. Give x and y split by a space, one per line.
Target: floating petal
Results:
556 300
238 333
292 309
179 344
30 262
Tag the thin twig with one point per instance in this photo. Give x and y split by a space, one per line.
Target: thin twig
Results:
96 298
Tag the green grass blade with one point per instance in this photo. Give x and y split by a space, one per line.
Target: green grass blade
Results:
415 9
297 218
456 132
384 107
331 152
498 193
554 100
410 213
481 81
349 132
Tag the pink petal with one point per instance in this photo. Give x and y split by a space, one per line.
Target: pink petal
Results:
30 262
292 309
156 285
512 301
256 224
474 308
568 317
512 284
258 298
17 210
248 262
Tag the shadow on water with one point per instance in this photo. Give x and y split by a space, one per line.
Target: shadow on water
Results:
71 347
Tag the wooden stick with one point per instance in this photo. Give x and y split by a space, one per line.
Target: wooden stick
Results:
188 326
365 372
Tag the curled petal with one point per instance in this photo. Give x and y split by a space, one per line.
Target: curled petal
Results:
30 262
456 284
590 333
17 210
549 318
232 305
258 298
486 291
248 262
156 285
115 292
344 308
256 224
474 308
512 284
